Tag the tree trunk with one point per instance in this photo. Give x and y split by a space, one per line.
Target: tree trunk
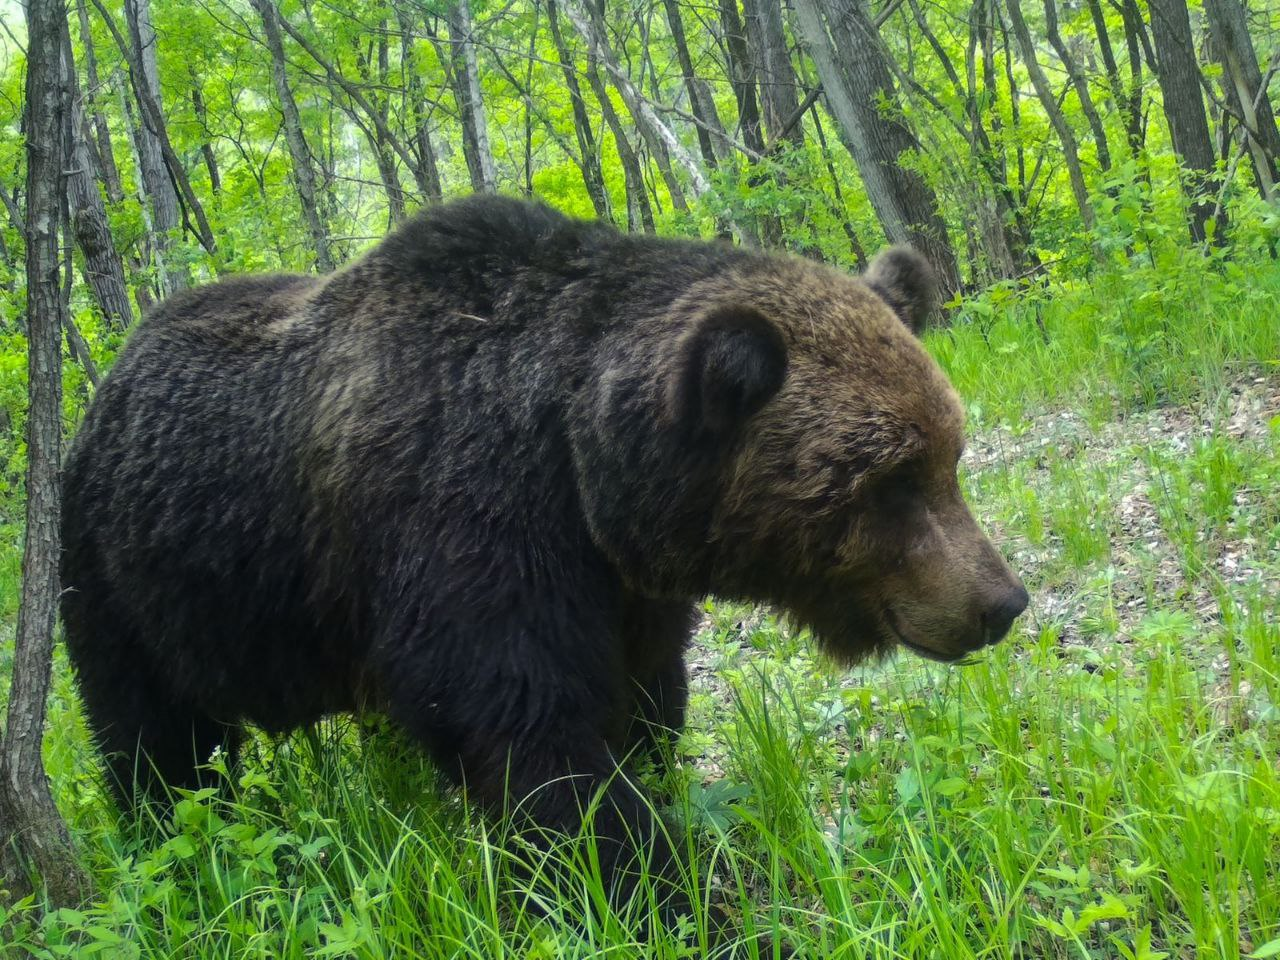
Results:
777 77
701 105
1242 80
153 123
103 267
299 153
1135 38
1070 150
1179 77
639 208
101 132
206 144
465 74
1080 82
427 172
34 835
856 79
742 76
165 217
656 134
1131 111
592 173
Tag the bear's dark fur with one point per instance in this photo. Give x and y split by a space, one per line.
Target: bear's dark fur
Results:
477 480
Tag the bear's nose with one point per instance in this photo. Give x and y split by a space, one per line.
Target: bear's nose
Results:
999 618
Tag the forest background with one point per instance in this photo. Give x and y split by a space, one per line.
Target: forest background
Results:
1096 184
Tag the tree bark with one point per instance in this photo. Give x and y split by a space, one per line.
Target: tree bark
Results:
856 79
1242 80
1135 38
34 834
639 207
592 173
1179 77
1070 150
427 172
101 132
165 216
153 123
352 90
776 75
206 144
1080 82
1130 110
299 153
655 133
465 74
701 105
741 75
103 268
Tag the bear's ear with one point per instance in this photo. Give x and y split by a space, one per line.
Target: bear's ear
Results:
727 367
904 280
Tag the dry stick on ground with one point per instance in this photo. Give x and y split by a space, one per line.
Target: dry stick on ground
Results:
34 834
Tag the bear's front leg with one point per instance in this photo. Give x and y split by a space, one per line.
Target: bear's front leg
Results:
655 637
523 722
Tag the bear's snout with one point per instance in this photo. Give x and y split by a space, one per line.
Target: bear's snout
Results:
999 616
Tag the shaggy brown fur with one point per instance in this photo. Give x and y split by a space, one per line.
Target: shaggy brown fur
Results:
481 476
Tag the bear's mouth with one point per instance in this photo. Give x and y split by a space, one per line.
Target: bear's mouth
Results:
929 653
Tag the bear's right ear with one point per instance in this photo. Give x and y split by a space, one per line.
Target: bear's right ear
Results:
727 367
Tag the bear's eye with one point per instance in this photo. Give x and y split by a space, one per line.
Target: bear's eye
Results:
903 489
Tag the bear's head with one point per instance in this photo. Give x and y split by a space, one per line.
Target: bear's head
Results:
781 435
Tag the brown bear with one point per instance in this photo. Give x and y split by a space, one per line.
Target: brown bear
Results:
479 478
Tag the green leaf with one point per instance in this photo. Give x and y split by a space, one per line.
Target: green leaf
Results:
1269 949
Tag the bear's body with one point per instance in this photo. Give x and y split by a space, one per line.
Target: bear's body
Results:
477 480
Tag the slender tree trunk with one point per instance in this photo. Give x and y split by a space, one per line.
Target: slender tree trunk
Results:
103 267
777 76
144 295
856 78
165 216
1121 96
1070 150
370 110
1179 76
101 132
592 173
1135 38
1080 82
1242 80
206 144
839 207
299 152
427 172
466 83
33 833
656 134
704 111
153 123
639 207
742 76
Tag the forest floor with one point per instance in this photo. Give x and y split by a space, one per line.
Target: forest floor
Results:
1106 783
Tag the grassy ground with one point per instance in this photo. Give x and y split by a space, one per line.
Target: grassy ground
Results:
1105 784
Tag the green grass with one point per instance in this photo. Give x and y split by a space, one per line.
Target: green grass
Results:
1105 784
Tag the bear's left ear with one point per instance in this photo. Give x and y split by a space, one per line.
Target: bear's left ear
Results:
727 367
906 282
